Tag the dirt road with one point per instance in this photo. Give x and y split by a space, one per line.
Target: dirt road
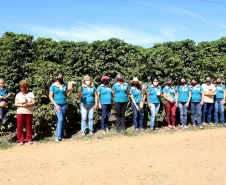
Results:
192 157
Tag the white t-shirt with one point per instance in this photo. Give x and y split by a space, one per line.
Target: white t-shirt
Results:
208 89
25 99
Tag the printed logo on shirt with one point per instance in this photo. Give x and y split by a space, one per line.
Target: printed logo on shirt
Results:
221 88
92 90
198 89
65 89
125 87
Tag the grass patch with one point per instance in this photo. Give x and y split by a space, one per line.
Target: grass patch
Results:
47 139
5 144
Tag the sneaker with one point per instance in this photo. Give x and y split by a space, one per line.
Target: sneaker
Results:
91 133
194 125
204 123
103 132
151 128
21 144
30 143
200 127
174 127
185 127
57 140
107 130
63 139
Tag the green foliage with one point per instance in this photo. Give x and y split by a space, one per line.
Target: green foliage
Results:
22 57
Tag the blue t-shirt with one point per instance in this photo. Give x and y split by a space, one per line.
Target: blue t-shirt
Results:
120 92
196 95
105 94
88 94
136 94
183 93
220 93
153 98
59 95
4 91
171 91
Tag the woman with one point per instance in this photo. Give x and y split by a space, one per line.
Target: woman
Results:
135 95
121 94
104 94
209 93
197 99
153 98
184 97
219 101
169 94
24 102
58 93
88 95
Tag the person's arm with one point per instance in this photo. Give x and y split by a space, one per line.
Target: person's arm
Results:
164 95
189 99
69 93
80 92
223 101
132 98
17 104
6 97
32 103
176 97
127 92
51 93
96 100
202 101
148 94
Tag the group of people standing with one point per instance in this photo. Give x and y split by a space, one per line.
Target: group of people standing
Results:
106 97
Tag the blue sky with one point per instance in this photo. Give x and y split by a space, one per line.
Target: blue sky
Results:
139 22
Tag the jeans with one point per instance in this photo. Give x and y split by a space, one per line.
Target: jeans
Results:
60 122
106 110
170 107
1 108
87 111
218 107
207 109
183 113
135 115
120 108
154 111
196 109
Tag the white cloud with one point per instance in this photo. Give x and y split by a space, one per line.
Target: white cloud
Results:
170 31
222 26
91 32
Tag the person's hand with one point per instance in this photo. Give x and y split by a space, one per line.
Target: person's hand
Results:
149 106
100 107
95 106
201 103
58 109
176 104
137 107
71 89
144 98
171 101
1 97
187 105
223 102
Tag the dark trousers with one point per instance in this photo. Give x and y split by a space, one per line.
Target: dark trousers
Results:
106 110
120 108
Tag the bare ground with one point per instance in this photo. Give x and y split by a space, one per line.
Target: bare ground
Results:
191 157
